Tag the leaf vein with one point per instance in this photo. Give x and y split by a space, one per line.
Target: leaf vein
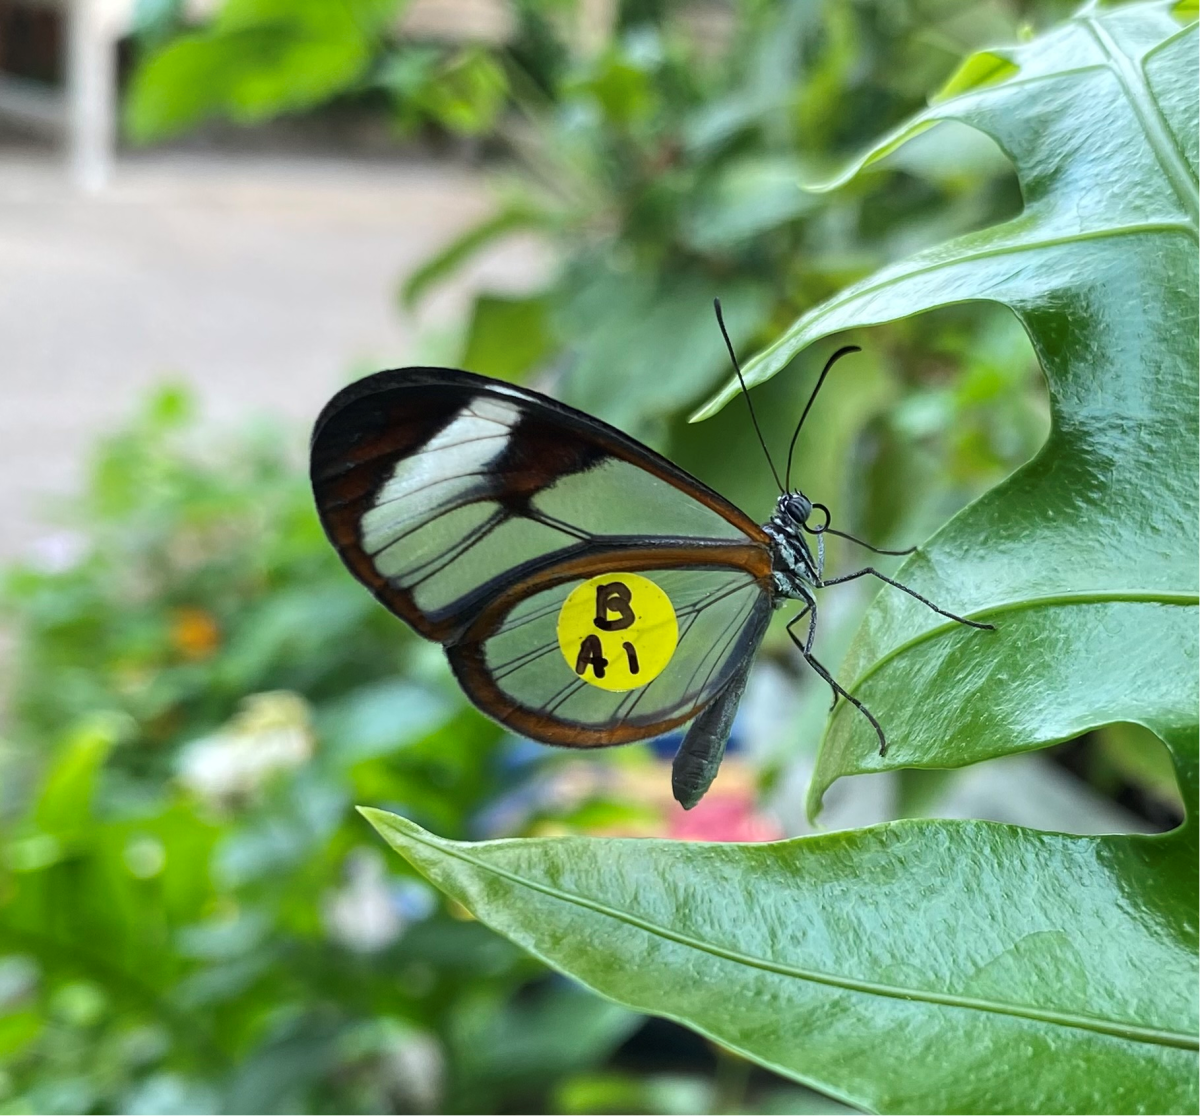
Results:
852 294
1131 1032
1132 80
1117 596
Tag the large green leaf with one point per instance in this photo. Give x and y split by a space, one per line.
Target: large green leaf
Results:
966 966
915 967
1086 558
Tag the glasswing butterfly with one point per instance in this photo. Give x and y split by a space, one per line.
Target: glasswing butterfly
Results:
587 591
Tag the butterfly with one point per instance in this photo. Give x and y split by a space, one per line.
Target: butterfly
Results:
587 591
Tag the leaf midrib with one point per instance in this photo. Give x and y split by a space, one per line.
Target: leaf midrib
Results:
1159 138
855 293
1053 600
1130 1032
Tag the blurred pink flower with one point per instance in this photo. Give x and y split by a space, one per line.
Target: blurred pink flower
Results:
729 816
639 789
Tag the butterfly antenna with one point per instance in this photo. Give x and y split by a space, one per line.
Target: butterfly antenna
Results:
745 391
811 399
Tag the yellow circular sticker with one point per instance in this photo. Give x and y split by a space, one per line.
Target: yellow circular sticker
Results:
617 631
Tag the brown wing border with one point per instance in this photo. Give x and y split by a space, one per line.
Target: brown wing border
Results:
467 660
363 430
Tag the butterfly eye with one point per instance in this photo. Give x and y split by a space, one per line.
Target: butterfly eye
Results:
799 508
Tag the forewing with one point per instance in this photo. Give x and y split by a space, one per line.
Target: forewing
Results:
511 663
441 489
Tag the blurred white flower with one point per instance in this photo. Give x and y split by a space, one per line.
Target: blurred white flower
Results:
271 733
416 1066
363 914
19 978
58 551
144 856
407 1063
169 1092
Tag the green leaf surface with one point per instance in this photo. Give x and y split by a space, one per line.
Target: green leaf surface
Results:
512 218
967 966
65 803
748 198
507 336
645 346
906 968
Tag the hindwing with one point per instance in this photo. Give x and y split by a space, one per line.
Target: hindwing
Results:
513 663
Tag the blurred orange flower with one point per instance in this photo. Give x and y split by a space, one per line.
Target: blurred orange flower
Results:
194 633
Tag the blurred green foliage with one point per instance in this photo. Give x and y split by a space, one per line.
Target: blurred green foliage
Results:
260 58
664 167
195 919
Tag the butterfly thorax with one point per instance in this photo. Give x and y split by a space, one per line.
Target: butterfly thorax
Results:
792 561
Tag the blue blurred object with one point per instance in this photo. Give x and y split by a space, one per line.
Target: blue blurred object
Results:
414 900
519 752
664 747
507 813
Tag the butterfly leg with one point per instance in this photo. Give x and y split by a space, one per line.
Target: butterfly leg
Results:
911 592
810 610
805 649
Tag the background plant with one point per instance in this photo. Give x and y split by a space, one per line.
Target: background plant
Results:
192 916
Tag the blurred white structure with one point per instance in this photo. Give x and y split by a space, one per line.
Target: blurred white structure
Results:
93 28
263 282
84 112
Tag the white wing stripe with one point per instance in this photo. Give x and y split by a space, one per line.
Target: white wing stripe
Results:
446 471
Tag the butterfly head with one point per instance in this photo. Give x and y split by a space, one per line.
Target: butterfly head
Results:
794 513
796 507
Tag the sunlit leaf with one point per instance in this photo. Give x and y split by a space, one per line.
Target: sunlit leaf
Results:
258 59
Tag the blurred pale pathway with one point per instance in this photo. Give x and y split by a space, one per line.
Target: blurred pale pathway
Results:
263 282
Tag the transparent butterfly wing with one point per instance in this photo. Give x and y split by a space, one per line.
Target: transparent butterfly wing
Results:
512 665
441 489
